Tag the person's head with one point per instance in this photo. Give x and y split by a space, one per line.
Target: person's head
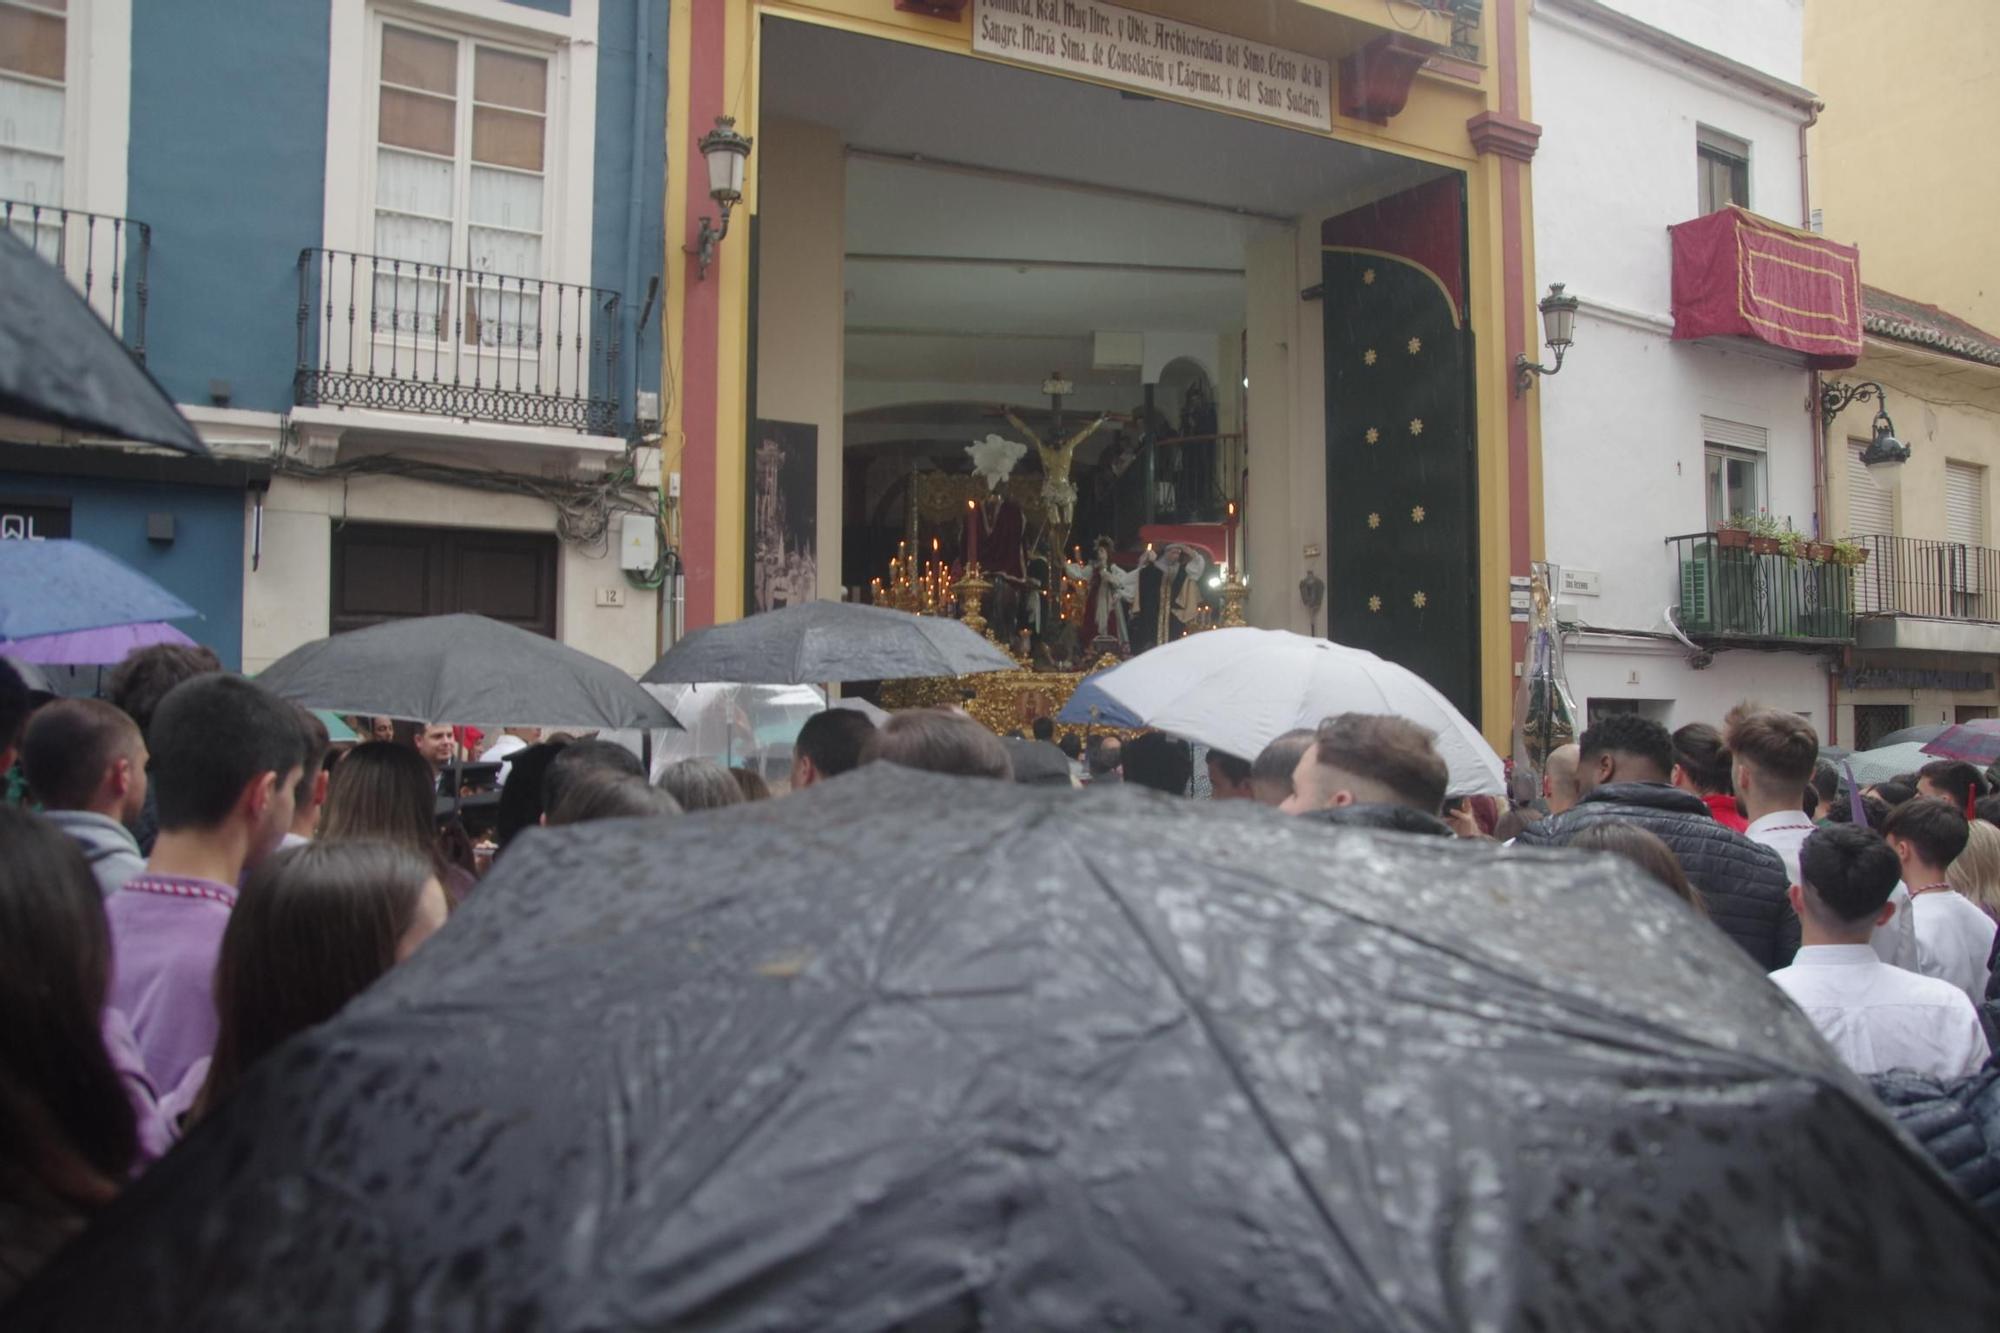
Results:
1952 781
83 754
1623 747
309 797
1071 745
434 744
938 740
226 757
700 784
1103 755
1774 754
1229 777
1271 771
1100 553
603 793
1896 791
582 757
1369 758
382 728
1043 729
1825 788
1643 848
147 675
1874 812
383 792
1701 761
1988 808
1975 872
1926 836
313 927
1159 761
829 744
66 1126
520 803
1561 786
16 702
1846 875
751 783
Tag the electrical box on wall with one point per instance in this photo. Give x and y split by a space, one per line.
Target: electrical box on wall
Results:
638 543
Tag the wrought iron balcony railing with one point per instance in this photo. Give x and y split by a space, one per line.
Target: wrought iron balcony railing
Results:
405 336
104 257
1732 592
1911 576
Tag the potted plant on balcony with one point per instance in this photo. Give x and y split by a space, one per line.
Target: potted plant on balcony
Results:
1793 544
1849 553
1764 532
1733 533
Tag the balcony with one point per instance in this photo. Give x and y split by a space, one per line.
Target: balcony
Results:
103 257
396 335
1730 594
1930 596
1742 277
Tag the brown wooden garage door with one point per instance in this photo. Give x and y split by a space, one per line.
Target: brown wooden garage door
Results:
385 572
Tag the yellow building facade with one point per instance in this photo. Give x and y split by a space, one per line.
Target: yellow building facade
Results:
894 241
1889 175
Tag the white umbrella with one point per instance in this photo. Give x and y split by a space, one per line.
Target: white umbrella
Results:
1237 690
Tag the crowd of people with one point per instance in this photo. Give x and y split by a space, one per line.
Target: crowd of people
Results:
192 872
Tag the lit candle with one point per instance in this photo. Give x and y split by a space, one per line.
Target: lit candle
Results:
972 533
1231 532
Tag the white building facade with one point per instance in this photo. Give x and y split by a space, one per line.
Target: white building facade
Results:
1646 440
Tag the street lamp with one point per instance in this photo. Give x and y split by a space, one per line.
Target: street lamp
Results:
1558 324
725 152
1883 449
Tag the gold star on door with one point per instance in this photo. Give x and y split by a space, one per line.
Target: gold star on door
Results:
1368 357
1417 514
1416 345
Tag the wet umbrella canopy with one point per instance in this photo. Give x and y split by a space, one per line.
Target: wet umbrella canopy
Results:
462 669
825 642
60 364
961 1054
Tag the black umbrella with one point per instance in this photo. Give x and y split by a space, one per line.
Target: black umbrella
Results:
60 364
824 642
922 1053
1921 734
462 669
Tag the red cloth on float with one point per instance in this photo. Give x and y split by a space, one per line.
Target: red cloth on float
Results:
997 535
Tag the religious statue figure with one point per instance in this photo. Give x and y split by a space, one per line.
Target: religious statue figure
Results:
1057 489
1108 589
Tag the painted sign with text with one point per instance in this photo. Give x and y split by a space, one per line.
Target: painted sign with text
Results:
1174 59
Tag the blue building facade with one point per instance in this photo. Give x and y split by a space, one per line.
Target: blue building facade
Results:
394 260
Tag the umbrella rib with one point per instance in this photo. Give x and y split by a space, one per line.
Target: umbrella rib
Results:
1229 1062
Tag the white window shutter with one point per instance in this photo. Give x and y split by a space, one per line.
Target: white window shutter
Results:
1965 503
1871 509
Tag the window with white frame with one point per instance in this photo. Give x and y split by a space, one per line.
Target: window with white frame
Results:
34 61
1735 455
461 185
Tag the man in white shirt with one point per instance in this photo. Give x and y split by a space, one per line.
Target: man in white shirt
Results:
1927 836
512 741
1773 754
1875 1016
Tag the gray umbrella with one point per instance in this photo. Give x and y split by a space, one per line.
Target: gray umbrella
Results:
1922 734
60 364
907 1053
823 642
462 669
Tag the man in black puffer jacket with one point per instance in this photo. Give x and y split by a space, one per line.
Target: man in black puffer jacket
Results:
1622 771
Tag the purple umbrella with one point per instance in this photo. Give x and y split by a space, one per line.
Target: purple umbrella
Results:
95 647
1974 742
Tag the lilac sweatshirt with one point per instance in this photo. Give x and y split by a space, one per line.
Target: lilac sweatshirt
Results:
166 933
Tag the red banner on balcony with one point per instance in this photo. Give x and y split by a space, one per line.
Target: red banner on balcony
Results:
1741 275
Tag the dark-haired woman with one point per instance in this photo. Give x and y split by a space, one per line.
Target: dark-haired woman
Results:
385 792
73 1124
1644 849
313 928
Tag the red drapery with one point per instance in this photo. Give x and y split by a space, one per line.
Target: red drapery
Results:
1741 275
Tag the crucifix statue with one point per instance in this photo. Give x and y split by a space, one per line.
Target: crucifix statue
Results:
1058 491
